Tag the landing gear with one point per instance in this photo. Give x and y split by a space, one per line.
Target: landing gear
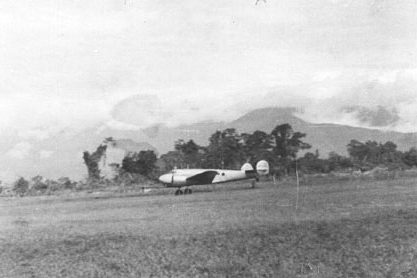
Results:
253 183
186 191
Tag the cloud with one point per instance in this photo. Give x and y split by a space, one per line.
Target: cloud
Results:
140 63
39 117
348 97
140 110
146 110
37 133
118 125
44 154
372 94
20 150
8 177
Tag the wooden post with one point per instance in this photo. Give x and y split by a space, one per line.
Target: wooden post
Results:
298 185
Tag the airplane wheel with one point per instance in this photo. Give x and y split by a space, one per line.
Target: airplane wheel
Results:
187 191
178 192
190 191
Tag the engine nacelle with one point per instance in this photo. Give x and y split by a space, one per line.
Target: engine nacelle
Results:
179 180
173 180
262 168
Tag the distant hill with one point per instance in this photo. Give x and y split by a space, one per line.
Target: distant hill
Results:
61 155
324 137
64 155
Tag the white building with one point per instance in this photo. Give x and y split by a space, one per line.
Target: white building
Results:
111 161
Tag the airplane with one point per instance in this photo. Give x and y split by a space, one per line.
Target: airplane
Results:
189 177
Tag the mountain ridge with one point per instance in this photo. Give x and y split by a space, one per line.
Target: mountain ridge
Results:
61 155
326 137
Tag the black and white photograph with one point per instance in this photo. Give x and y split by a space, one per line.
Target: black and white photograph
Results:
239 138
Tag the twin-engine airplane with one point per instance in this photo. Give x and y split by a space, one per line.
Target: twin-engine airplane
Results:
188 177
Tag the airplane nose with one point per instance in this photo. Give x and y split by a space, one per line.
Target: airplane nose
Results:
165 178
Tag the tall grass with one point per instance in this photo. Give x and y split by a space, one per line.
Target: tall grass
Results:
379 245
365 229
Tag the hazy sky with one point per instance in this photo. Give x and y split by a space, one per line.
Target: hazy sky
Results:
75 63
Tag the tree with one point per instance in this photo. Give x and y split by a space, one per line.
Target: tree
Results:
410 157
66 183
312 163
21 186
287 144
140 163
363 154
191 153
371 153
257 146
92 160
171 160
224 150
389 153
337 162
38 183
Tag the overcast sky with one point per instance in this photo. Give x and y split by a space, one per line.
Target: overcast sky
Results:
76 63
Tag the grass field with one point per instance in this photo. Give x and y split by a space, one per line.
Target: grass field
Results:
349 229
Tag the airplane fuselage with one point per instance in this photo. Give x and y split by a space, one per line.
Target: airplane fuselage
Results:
188 177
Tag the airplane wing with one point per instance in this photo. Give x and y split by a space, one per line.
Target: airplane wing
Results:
205 177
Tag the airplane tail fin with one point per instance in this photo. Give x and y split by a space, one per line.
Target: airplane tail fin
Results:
249 171
246 167
262 168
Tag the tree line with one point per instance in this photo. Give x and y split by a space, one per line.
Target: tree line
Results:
226 149
230 149
283 148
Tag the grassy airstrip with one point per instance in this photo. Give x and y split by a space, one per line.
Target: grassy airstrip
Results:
340 229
